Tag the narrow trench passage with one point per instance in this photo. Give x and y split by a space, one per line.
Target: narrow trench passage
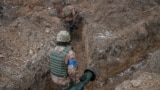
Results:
78 44
113 81
79 47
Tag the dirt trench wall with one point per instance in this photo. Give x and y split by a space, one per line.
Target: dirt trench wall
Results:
147 78
119 35
24 50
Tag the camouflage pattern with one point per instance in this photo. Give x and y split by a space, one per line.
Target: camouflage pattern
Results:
63 36
72 71
69 12
71 17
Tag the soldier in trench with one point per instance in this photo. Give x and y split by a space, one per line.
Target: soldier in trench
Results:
63 65
70 17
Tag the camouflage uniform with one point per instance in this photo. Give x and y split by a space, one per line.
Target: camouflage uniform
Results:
71 17
68 13
72 71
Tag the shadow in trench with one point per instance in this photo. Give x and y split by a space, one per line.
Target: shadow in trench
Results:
78 45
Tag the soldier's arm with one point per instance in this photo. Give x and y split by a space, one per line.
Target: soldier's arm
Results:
73 10
72 67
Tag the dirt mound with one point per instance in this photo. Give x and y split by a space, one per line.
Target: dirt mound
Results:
147 78
146 81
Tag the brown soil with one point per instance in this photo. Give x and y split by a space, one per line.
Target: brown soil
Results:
111 38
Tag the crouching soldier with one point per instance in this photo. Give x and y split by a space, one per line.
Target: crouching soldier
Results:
71 17
63 64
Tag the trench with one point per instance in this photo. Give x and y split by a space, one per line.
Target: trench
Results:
118 78
79 48
79 40
79 43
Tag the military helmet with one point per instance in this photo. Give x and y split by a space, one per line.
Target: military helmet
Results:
66 11
63 36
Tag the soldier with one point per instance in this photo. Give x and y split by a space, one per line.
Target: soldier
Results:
63 64
70 16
